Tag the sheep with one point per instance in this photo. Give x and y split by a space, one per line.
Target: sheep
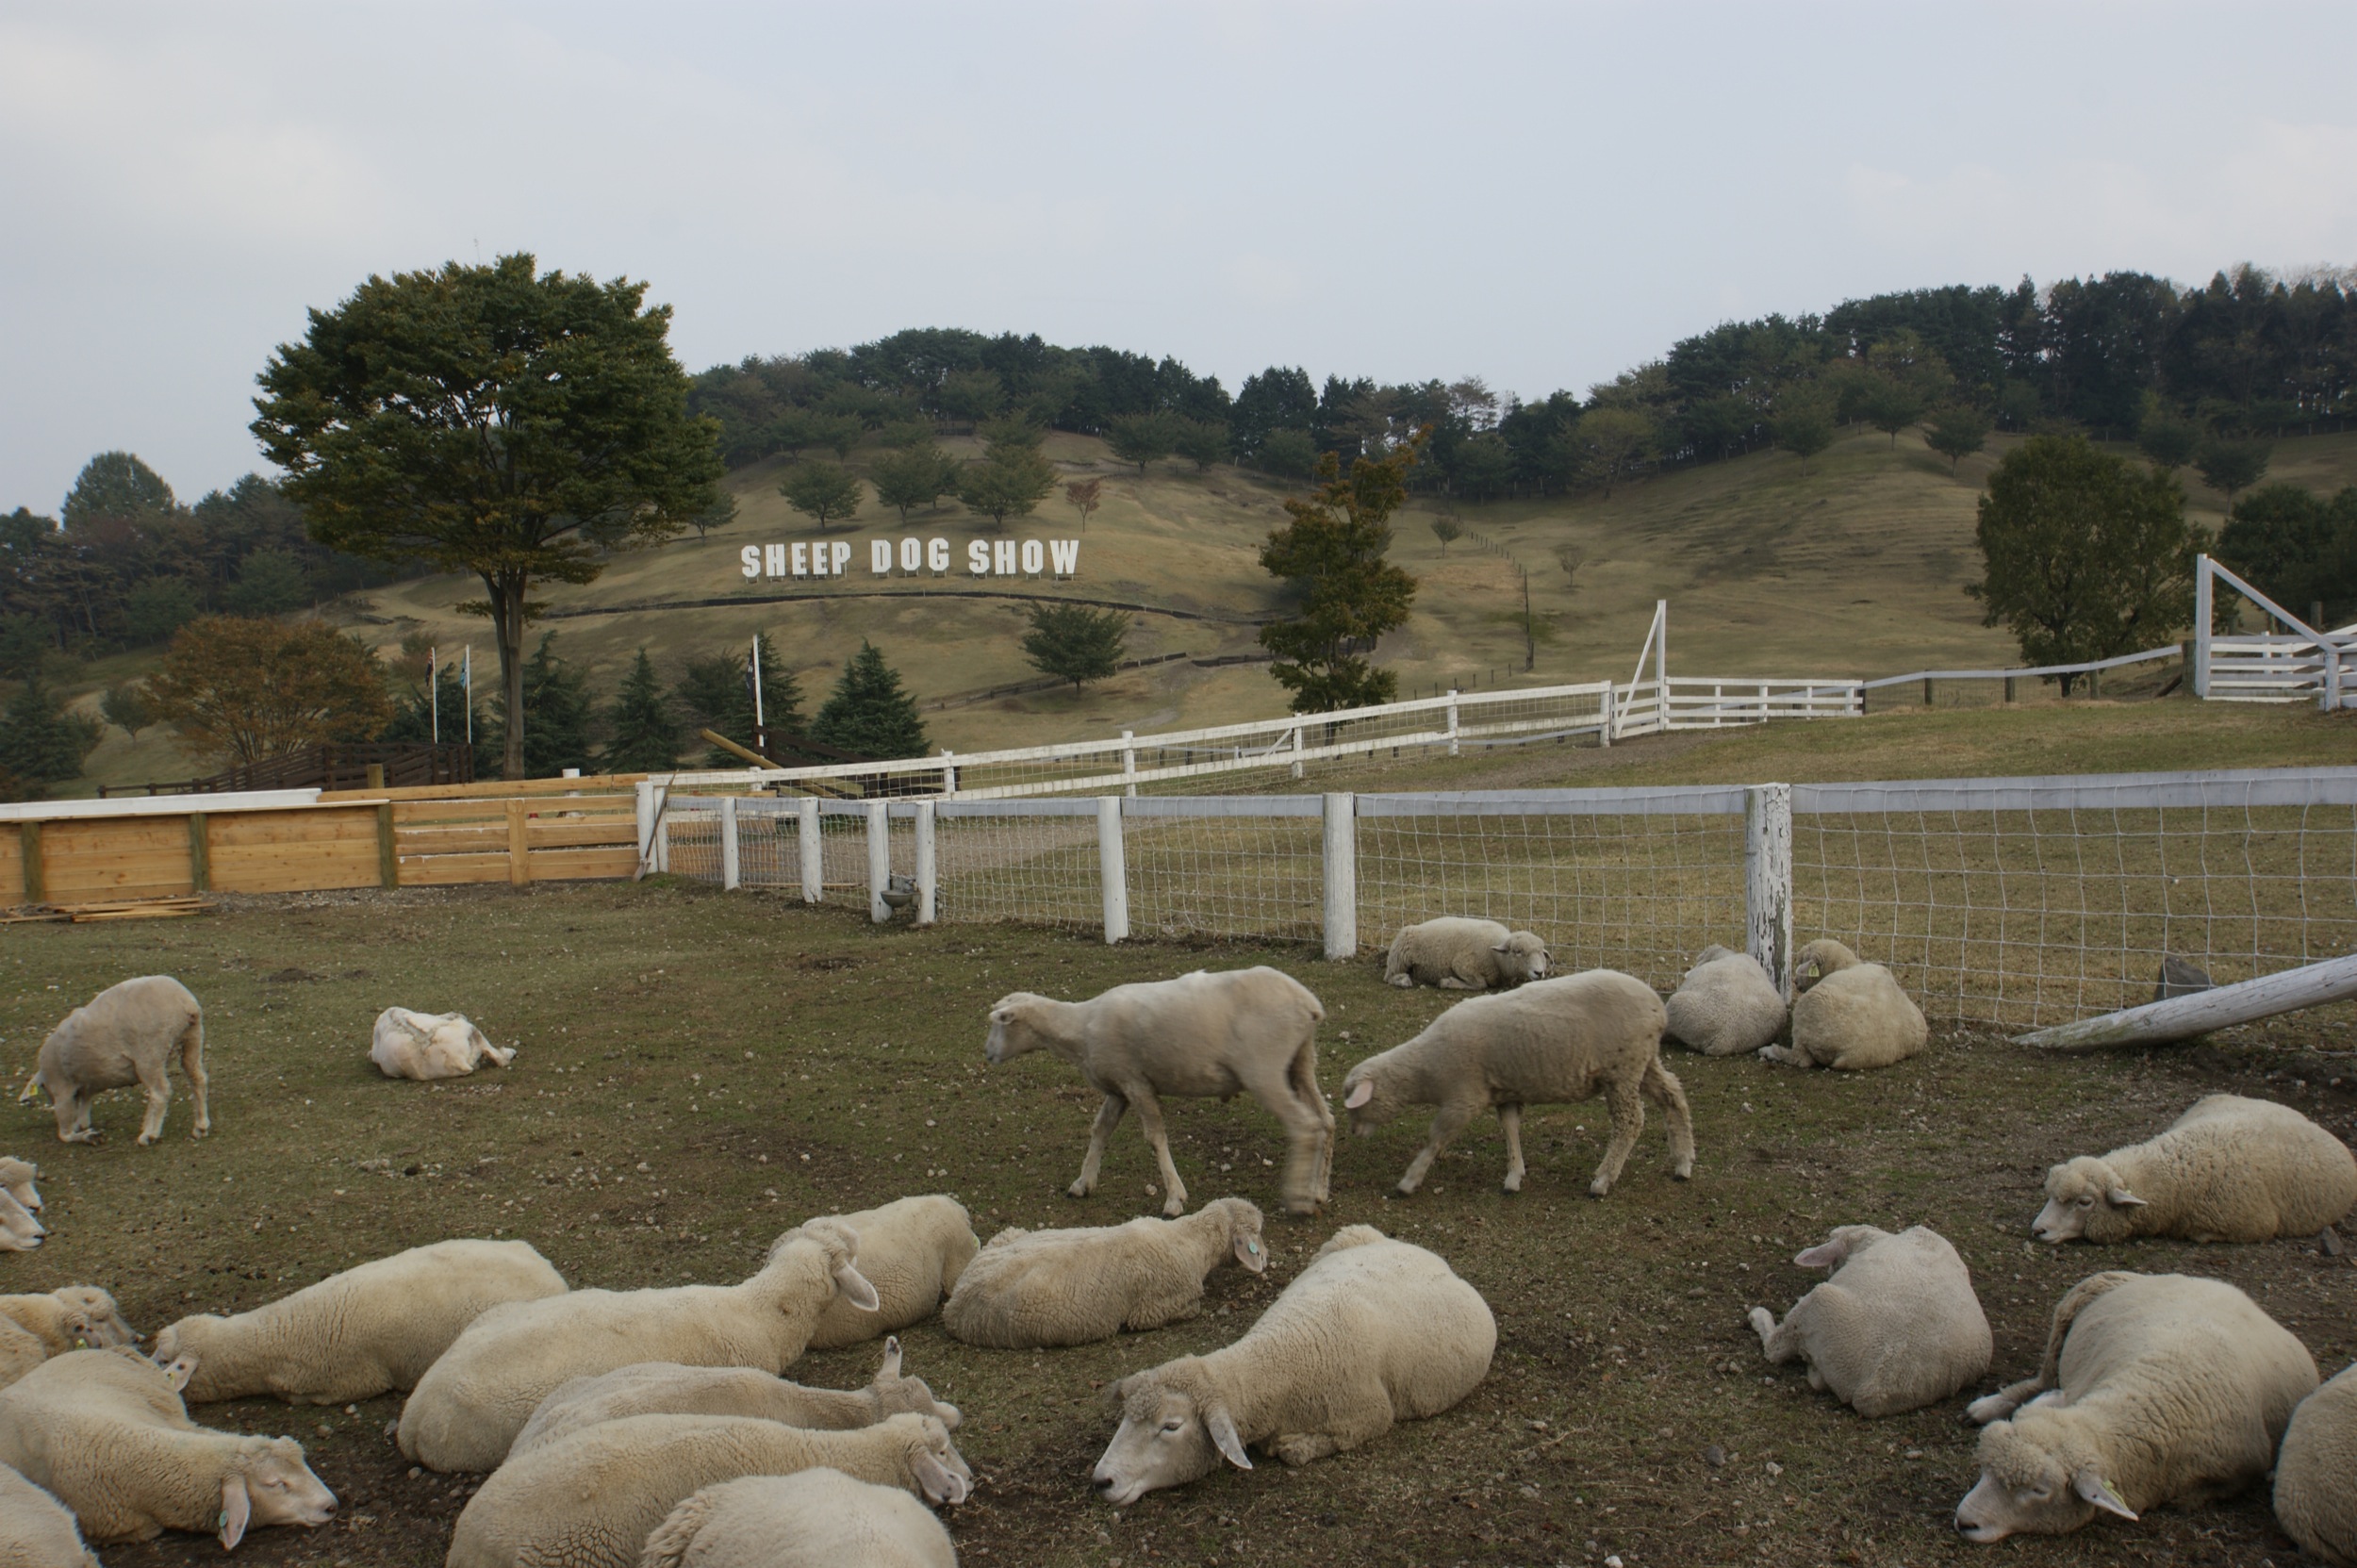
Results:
36 1529
471 1403
17 1178
1726 1005
104 1430
1373 1332
427 1046
1034 1288
2230 1169
1196 1035
124 1035
21 1350
811 1519
75 1317
1459 954
19 1231
911 1252
1896 1328
1552 1041
592 1500
1850 1014
666 1388
356 1335
2312 1472
2155 1387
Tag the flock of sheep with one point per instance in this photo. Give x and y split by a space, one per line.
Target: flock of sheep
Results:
654 1427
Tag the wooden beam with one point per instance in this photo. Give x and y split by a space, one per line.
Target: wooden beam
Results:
200 853
519 845
2222 1007
388 855
747 752
28 841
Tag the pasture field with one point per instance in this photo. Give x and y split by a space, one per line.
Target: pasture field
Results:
701 1070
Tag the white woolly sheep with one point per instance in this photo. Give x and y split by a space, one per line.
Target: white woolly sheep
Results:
1726 1005
36 1529
1459 954
74 1318
911 1251
1551 1042
1373 1332
17 1178
1896 1328
1200 1034
1850 1014
590 1500
20 1232
427 1046
1034 1288
106 1432
2154 1387
811 1519
126 1034
356 1335
666 1388
471 1404
21 1350
2314 1468
2230 1169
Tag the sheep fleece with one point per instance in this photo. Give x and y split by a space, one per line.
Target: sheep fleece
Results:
2313 1474
1896 1328
811 1519
912 1251
36 1529
1726 1005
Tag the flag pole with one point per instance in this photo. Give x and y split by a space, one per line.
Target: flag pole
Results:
434 694
469 685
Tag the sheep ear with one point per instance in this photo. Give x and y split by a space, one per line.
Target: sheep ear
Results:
941 1484
236 1509
2120 1197
1823 1255
1503 947
855 1288
178 1372
1223 1430
2096 1490
1113 1397
891 1367
1249 1254
1359 1094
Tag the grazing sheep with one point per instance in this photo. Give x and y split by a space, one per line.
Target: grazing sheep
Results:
2230 1169
427 1046
77 1317
356 1335
17 1178
1459 954
1726 1005
2314 1469
911 1251
36 1529
19 1231
2155 1387
471 1404
1551 1042
666 1388
104 1430
590 1500
1373 1332
1197 1035
1896 1328
1850 1014
811 1519
1034 1288
126 1034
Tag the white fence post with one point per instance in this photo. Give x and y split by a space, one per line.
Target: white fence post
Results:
879 859
662 837
1452 722
1662 665
1607 721
1129 765
2200 672
1296 750
1768 879
646 828
928 865
814 853
1112 867
948 771
728 841
1341 876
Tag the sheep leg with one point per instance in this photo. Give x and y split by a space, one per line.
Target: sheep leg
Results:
1150 1123
1510 1121
1791 1056
1108 1117
73 1116
1306 1090
1298 1448
192 1064
2011 1397
1306 1135
1628 1120
1445 1126
156 1082
1779 1342
1661 1087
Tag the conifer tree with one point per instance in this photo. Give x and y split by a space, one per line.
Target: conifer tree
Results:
868 711
643 730
39 742
716 695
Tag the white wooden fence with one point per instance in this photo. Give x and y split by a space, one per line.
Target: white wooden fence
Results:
2298 664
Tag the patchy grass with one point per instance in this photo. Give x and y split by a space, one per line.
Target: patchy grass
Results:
701 1070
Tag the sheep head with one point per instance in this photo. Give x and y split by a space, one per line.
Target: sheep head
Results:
1012 1032
1244 1231
19 1231
828 1247
92 1313
1175 1429
270 1484
1844 1243
1819 959
2085 1198
17 1178
2039 1476
1522 957
1712 954
1370 1096
939 1472
896 1394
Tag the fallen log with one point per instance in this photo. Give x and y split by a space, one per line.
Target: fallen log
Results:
2158 1023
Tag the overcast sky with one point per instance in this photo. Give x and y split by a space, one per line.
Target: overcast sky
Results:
1541 196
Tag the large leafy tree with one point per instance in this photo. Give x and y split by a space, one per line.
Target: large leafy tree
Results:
1332 554
244 689
1144 439
823 491
1956 432
913 477
2298 548
1075 643
1010 482
492 420
115 484
868 713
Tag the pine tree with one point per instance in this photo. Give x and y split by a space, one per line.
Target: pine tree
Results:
645 730
39 742
716 695
557 696
1075 643
869 714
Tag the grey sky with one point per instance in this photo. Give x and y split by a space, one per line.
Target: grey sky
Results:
1538 194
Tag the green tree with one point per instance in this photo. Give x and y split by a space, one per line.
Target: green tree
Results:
826 491
564 714
2167 439
1287 453
1086 495
1202 442
125 706
270 582
717 694
2231 466
868 713
242 689
913 477
971 396
906 433
839 433
1890 406
115 484
1448 531
1015 431
1143 438
1956 432
1802 425
1007 484
2083 556
40 743
642 733
25 643
1075 643
2296 548
1348 595
490 419
1612 442
158 607
1481 467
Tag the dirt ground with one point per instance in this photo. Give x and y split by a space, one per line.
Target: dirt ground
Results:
702 1070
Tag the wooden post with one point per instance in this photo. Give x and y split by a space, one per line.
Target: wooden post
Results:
376 775
200 855
2008 688
2095 684
1341 876
519 845
28 844
2183 1017
1768 879
1927 691
1112 868
811 851
388 850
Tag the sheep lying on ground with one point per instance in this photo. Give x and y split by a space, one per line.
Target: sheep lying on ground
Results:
1551 1042
36 1529
471 1404
1896 1328
1373 1332
666 1388
126 1034
356 1335
2230 1169
811 1519
911 1252
19 1231
1200 1034
2154 1387
20 1352
104 1430
2314 1469
1850 1014
17 1178
1726 1005
75 1317
1034 1288
1459 954
427 1046
590 1500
